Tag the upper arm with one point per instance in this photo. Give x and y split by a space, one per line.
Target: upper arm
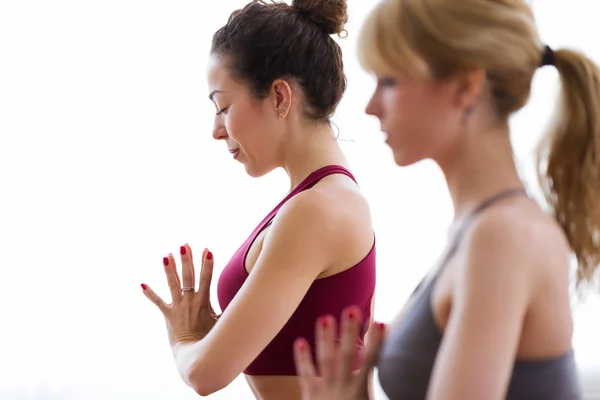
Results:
490 299
295 251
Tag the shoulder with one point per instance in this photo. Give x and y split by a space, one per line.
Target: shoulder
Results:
508 245
519 232
506 229
332 221
334 209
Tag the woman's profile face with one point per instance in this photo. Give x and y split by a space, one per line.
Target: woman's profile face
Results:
419 116
246 124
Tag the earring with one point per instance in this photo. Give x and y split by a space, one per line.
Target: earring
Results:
281 113
467 113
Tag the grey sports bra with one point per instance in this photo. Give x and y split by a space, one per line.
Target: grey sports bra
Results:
408 355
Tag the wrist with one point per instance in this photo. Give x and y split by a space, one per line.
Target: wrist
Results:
188 337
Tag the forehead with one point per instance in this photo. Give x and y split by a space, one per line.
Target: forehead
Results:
220 80
218 75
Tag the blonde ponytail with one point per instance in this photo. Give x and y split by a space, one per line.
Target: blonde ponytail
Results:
569 160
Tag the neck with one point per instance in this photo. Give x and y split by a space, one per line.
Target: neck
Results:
480 166
310 149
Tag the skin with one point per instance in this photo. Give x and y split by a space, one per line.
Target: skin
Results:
513 247
320 232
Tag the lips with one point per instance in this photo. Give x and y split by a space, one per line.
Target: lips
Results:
234 152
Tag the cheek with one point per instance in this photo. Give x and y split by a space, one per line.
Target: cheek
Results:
241 122
251 128
414 124
406 116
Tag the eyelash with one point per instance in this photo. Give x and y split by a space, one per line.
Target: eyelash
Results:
221 111
387 82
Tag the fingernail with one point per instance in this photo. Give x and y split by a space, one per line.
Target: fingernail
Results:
351 314
324 322
165 261
144 286
381 326
300 344
182 250
209 256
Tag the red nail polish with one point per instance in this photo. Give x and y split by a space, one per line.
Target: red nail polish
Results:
144 286
182 250
324 322
209 256
381 326
301 346
351 314
165 261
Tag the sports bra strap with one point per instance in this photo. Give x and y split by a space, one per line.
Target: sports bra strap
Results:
308 182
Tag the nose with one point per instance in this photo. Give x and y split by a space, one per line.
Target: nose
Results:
219 132
373 107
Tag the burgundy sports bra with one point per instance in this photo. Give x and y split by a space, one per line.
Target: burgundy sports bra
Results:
330 295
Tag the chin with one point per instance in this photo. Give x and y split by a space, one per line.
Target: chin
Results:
256 172
404 160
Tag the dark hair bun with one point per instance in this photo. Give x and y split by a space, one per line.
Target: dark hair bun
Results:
329 15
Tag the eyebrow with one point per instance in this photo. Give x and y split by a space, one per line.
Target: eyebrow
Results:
211 95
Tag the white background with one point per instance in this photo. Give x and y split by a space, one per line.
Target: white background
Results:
107 164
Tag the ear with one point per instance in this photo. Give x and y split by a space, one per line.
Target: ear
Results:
468 87
282 97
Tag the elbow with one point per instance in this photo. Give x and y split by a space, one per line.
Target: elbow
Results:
206 382
205 390
204 387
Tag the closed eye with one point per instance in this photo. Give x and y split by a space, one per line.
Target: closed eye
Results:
222 110
387 82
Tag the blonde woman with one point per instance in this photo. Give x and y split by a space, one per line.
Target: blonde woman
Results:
492 320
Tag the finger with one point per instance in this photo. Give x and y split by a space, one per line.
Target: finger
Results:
172 278
206 277
326 347
187 271
173 264
305 368
376 336
349 332
153 297
210 307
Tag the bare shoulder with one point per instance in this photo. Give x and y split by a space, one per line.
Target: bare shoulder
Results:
337 206
335 216
521 235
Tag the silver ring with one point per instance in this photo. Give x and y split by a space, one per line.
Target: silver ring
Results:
185 289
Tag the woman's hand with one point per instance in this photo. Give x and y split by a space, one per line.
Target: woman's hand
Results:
190 316
338 378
